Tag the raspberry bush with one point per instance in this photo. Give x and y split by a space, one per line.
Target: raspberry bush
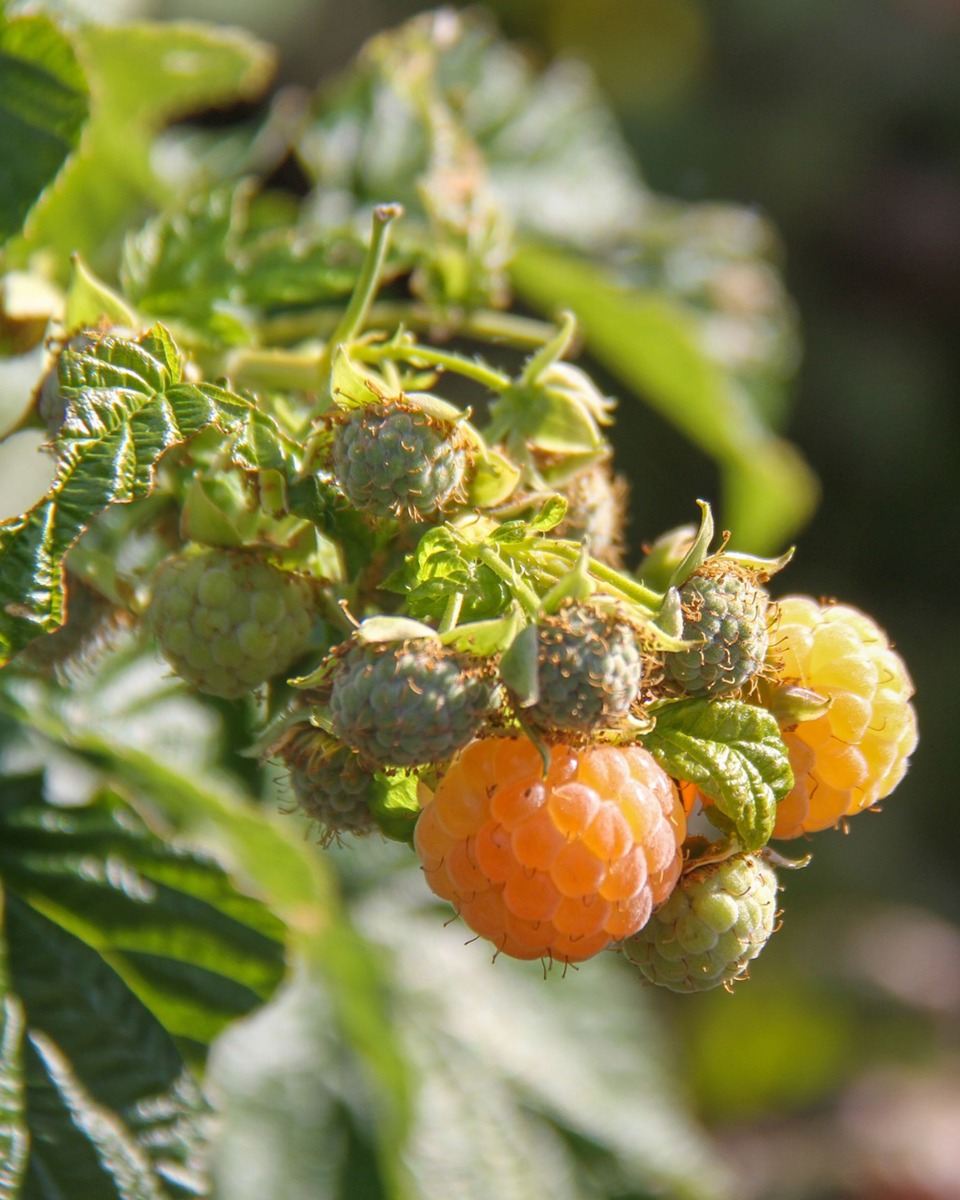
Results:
335 531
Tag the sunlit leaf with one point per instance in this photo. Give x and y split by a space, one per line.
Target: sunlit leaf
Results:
733 752
128 405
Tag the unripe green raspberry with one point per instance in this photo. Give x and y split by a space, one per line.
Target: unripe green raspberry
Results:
589 671
717 920
725 614
392 459
329 784
596 511
227 620
407 703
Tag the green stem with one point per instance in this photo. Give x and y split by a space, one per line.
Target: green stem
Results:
526 595
353 319
276 369
507 329
426 356
565 558
551 351
451 614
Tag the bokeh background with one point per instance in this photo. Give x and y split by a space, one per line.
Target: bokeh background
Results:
835 1072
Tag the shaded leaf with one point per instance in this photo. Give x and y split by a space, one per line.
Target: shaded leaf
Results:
270 851
43 107
14 1138
110 1107
733 752
195 950
215 258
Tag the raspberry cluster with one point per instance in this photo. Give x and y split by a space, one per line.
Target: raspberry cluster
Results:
580 757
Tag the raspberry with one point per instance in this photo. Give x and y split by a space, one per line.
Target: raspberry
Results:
596 510
856 753
556 866
589 670
717 920
403 704
329 784
393 459
227 620
725 613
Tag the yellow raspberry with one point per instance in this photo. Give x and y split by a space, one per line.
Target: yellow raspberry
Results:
856 752
556 866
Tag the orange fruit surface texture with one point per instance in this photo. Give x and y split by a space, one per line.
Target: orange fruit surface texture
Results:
553 866
856 752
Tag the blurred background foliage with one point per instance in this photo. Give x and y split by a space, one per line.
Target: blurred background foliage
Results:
835 1072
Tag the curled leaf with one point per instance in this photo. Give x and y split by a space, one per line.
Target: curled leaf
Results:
734 753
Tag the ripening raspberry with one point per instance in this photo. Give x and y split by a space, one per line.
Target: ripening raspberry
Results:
857 752
556 866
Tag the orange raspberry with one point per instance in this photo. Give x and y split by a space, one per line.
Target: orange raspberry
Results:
556 866
856 753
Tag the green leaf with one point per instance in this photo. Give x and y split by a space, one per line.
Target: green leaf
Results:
535 130
14 1139
268 849
195 950
110 1106
395 807
649 342
142 76
89 300
216 256
43 107
520 667
549 516
545 419
440 569
126 407
733 752
493 480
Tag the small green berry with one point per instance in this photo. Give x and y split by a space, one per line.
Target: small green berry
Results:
589 671
400 704
228 620
392 459
717 920
725 615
